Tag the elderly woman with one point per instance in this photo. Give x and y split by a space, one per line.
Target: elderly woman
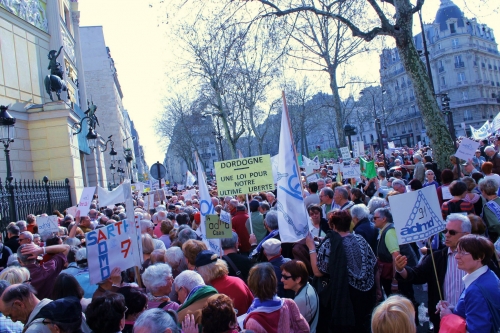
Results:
175 258
147 248
215 273
295 277
346 263
191 249
362 225
491 202
158 280
15 275
430 179
319 223
218 316
479 303
269 313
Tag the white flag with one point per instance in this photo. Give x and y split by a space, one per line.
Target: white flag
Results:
309 162
496 123
206 208
292 216
274 163
190 179
481 133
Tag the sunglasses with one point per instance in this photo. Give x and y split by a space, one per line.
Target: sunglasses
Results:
452 232
286 277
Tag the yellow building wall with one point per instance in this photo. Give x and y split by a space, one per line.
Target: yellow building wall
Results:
23 55
54 149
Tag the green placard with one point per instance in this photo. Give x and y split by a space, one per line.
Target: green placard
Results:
244 175
215 228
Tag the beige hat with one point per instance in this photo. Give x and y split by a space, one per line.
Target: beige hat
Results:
272 246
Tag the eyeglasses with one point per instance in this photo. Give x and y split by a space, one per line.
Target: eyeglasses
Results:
19 240
452 232
376 217
461 253
286 277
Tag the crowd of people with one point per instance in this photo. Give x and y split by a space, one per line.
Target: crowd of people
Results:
349 274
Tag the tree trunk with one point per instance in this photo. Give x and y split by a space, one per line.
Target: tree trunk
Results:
337 106
432 116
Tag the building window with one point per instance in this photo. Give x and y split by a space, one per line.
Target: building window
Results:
452 28
465 95
461 77
443 81
458 62
467 115
454 43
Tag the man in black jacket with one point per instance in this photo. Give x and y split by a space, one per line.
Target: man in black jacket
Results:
13 233
449 276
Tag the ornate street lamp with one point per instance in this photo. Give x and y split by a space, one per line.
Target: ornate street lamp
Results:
91 138
112 169
7 136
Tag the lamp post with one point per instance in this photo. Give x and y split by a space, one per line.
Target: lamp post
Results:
112 169
350 130
7 136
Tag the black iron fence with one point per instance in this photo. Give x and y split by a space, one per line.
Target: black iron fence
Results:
21 198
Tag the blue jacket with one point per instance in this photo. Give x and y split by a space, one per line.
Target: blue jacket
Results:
473 306
367 230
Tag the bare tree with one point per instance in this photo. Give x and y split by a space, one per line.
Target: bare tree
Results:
396 23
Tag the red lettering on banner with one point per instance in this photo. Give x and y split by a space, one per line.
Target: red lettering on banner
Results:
101 236
126 243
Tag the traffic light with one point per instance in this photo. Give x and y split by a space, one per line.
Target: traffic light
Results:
445 103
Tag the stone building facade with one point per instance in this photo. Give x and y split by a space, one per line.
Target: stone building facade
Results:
465 64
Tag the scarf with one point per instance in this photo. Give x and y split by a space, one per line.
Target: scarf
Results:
196 294
360 262
259 247
266 306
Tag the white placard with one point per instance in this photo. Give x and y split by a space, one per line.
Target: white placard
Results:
417 215
358 148
467 149
351 171
445 190
346 154
86 200
72 210
47 223
337 167
309 169
390 145
225 216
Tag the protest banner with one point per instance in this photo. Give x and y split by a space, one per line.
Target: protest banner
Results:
367 168
71 210
313 177
110 197
244 175
309 169
216 228
467 149
110 247
188 195
346 154
496 123
47 224
85 200
358 148
481 133
422 220
351 171
190 178
390 145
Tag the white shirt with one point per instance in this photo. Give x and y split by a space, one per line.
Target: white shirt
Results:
469 278
453 284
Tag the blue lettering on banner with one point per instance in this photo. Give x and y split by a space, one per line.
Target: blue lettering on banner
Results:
103 260
422 223
206 207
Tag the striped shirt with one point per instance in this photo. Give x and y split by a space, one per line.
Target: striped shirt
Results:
453 283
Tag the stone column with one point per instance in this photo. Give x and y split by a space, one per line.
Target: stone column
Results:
54 22
75 15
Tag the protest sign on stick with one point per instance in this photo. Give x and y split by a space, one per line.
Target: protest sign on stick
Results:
422 220
86 200
216 228
47 224
467 149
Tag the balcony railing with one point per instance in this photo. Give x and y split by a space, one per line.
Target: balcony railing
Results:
441 69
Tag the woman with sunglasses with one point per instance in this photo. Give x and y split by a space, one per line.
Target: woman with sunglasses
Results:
479 303
295 276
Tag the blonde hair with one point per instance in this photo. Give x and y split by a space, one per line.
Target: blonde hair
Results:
148 245
15 275
213 271
395 314
191 248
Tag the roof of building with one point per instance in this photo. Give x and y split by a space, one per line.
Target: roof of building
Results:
446 11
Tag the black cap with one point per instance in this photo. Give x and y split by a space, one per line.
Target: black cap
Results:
205 257
65 310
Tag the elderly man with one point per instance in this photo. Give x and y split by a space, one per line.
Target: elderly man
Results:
25 237
326 200
313 197
13 235
19 303
155 320
494 158
362 225
341 198
418 168
321 184
272 251
491 207
147 227
271 199
271 224
43 275
449 276
6 324
93 215
193 294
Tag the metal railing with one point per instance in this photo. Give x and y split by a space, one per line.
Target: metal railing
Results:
21 198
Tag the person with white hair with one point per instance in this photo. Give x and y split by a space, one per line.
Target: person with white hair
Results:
147 227
193 294
156 320
360 215
158 280
158 217
175 258
494 158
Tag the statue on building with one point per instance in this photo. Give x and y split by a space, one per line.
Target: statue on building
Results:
54 82
92 108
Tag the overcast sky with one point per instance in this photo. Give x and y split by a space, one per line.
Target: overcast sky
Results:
135 32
